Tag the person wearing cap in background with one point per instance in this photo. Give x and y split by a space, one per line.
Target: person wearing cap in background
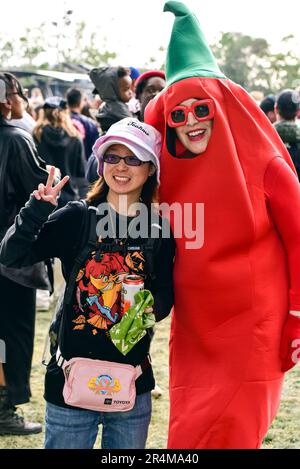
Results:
268 107
59 144
236 323
21 170
286 108
128 169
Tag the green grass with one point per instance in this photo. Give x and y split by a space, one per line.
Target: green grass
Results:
284 433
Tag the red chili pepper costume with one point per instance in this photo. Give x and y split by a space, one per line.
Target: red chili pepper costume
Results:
232 296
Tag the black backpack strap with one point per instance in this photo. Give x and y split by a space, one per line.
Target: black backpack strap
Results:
90 244
151 248
88 247
149 253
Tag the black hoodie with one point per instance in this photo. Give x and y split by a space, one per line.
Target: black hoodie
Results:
106 82
61 150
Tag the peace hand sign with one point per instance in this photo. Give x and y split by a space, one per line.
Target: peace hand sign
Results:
47 193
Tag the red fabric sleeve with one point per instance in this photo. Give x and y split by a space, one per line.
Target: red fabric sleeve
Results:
282 189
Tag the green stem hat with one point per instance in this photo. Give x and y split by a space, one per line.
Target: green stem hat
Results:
189 54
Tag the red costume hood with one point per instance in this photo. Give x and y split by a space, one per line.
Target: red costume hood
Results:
231 294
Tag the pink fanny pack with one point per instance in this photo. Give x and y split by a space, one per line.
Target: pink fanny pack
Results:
100 385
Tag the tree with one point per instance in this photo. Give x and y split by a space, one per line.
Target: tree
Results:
243 59
7 51
286 67
250 62
32 44
91 53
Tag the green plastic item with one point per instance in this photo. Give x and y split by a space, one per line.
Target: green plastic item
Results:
132 327
189 54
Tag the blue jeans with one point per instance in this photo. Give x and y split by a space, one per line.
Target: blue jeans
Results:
75 428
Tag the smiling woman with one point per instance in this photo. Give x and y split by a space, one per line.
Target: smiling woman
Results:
128 167
125 165
124 173
193 121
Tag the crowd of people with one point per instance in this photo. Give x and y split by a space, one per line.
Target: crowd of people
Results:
283 111
184 135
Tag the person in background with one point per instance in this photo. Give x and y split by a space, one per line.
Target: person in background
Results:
75 103
134 104
113 84
87 109
147 86
134 74
268 107
21 170
59 144
95 103
36 97
286 108
27 122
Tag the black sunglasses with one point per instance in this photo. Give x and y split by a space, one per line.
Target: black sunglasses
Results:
129 160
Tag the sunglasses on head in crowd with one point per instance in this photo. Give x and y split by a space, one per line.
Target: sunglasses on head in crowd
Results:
129 160
202 110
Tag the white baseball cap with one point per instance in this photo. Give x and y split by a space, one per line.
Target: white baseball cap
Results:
142 139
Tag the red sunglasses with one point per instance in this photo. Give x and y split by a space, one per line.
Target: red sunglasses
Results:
202 110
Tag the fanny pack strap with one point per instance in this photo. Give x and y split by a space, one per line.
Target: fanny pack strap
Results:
59 358
146 363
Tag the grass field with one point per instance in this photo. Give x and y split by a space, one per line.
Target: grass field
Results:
284 433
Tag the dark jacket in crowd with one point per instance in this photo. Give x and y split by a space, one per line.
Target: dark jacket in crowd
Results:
61 150
106 82
91 132
289 133
21 171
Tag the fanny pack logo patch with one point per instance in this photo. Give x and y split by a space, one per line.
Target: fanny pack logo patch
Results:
104 385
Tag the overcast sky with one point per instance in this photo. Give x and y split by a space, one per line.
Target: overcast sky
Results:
136 29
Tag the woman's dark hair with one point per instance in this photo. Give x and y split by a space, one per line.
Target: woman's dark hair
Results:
99 191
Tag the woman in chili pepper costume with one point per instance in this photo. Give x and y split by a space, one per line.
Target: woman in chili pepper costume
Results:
236 317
